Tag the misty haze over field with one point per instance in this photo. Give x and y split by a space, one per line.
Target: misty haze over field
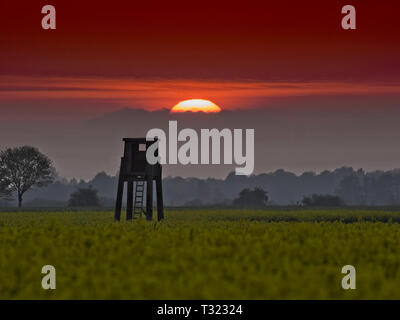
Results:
295 143
296 135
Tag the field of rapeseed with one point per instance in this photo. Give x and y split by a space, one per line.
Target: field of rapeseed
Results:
194 254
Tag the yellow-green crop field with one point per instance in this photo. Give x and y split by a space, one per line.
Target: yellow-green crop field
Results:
201 254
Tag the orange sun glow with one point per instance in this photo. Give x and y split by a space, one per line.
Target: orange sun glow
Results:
196 105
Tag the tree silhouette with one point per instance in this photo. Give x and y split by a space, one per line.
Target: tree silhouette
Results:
251 198
84 197
23 168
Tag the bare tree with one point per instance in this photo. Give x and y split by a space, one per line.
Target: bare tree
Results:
23 168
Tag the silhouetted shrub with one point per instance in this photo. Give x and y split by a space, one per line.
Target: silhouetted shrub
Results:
84 197
251 198
322 200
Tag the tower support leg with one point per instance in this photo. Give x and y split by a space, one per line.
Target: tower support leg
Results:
129 201
160 203
149 197
120 192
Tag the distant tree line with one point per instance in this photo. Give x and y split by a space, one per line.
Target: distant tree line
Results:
351 187
284 188
373 188
322 200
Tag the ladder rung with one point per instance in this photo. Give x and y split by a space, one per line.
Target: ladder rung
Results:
139 195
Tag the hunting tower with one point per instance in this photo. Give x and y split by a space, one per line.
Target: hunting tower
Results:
138 174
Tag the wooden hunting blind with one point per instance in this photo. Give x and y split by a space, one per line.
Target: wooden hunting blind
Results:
138 173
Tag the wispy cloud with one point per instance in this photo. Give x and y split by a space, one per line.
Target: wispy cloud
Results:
159 93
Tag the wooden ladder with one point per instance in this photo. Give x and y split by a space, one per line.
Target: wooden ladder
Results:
138 201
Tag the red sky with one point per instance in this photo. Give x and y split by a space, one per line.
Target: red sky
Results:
152 54
113 93
329 97
267 40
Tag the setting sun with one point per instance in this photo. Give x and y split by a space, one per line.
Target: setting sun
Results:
196 105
